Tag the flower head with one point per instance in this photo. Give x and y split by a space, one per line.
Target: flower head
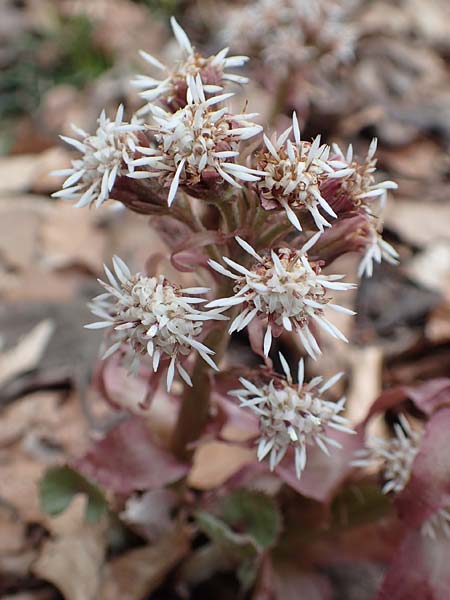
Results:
293 415
288 34
197 145
395 457
294 172
357 187
105 156
356 191
149 315
287 289
375 249
172 89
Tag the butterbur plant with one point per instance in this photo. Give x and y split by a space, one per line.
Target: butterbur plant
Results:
253 221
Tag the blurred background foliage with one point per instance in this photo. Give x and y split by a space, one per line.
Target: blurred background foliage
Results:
64 54
43 45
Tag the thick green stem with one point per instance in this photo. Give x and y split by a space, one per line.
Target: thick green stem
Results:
195 406
194 412
272 234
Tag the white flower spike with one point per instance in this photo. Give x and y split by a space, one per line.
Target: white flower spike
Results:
287 34
376 250
295 171
396 456
293 415
171 90
285 288
150 316
198 143
105 156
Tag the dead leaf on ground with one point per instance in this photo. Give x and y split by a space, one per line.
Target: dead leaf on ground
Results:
418 222
41 179
437 329
22 214
151 513
28 352
420 160
365 381
17 173
215 462
12 532
71 237
431 268
73 560
139 572
19 484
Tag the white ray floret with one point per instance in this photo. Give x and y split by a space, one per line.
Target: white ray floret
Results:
295 171
358 177
105 156
150 316
285 288
395 458
293 415
197 141
376 250
213 71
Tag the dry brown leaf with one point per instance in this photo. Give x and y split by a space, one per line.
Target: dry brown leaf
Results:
365 381
419 223
421 160
35 283
26 355
35 595
139 572
17 172
437 329
19 484
431 268
12 533
73 560
15 420
24 215
215 462
45 418
41 180
71 237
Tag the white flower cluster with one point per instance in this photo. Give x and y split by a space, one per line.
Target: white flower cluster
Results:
376 249
294 173
293 415
105 156
395 457
358 189
171 90
198 142
285 288
287 34
149 315
359 183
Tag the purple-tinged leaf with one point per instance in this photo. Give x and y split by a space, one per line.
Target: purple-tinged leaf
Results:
431 395
323 474
428 488
128 459
428 396
386 400
419 571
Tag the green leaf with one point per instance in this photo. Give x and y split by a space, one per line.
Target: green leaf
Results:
358 504
60 485
247 573
254 513
220 533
